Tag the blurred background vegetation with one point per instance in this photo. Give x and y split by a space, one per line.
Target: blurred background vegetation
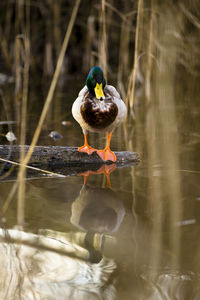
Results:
126 38
149 50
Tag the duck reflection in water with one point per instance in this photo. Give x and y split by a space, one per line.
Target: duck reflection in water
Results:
98 212
98 209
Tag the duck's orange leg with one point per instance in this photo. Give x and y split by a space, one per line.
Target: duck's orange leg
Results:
86 148
107 154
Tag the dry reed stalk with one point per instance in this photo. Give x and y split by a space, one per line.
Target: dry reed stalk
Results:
188 171
149 54
6 109
102 55
8 21
4 48
31 168
155 204
131 87
48 62
56 28
123 62
193 19
19 20
88 58
48 59
104 39
9 198
108 15
6 112
165 77
165 146
19 54
18 76
22 169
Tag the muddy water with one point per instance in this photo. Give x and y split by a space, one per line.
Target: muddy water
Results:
138 239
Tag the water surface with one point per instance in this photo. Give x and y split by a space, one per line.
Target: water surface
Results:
142 233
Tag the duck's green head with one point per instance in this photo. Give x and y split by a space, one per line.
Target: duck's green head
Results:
96 82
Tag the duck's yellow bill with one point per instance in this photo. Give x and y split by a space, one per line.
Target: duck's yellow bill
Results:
99 91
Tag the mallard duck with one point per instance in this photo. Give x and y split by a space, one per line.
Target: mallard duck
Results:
98 108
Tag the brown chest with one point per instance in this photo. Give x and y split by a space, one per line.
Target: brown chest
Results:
99 114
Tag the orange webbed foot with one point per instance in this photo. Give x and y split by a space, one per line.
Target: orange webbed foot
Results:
87 149
107 154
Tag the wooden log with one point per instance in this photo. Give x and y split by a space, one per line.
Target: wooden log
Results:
63 161
57 155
